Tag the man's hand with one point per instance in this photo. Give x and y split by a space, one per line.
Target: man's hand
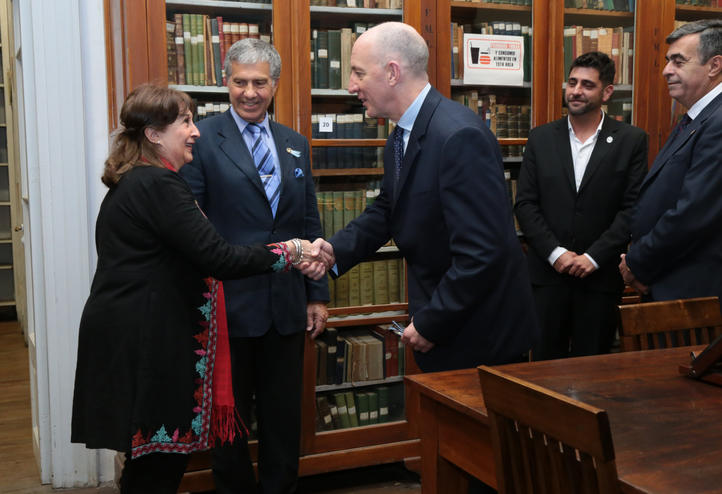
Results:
316 316
314 270
629 278
323 251
581 266
412 338
564 262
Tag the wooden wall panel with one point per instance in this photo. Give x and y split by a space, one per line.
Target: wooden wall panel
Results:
135 49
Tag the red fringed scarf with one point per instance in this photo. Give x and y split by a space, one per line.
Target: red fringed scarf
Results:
225 421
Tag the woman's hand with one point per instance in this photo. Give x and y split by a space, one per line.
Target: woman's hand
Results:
303 260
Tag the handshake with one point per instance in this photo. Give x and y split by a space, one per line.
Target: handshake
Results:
313 259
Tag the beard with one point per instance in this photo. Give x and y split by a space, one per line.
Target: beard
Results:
580 110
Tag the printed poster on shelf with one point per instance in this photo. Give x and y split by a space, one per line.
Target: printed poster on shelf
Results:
492 59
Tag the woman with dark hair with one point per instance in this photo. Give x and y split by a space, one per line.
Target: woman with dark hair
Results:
153 371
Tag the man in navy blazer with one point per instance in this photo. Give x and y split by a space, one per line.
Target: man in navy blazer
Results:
676 249
448 212
577 187
266 314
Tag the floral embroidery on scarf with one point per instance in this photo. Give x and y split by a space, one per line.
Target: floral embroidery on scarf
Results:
196 436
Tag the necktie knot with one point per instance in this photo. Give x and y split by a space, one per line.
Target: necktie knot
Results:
685 121
254 129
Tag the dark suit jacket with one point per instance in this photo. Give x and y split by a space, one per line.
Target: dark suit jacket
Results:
468 287
224 178
677 226
595 219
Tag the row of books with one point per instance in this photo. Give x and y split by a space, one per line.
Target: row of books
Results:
617 42
371 354
197 46
370 283
363 4
331 55
505 121
355 409
348 126
507 28
205 109
621 5
337 208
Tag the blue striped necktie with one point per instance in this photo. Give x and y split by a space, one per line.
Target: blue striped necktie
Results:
263 159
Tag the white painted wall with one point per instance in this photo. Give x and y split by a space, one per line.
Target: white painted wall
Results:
64 120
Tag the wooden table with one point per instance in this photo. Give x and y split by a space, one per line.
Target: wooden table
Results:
667 429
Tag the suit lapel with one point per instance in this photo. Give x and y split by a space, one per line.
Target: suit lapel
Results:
565 152
234 147
413 148
605 142
671 146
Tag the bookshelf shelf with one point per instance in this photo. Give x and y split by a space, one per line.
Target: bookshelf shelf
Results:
220 6
460 83
490 7
331 92
599 15
348 142
321 388
351 316
691 12
354 11
507 141
200 89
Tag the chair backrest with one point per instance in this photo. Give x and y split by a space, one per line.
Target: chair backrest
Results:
545 442
672 323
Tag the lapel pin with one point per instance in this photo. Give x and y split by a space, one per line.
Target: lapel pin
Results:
295 153
610 139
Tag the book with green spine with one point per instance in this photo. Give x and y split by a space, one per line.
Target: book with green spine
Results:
362 400
342 408
351 408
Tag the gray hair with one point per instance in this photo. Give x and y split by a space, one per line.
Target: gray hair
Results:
396 39
710 37
251 51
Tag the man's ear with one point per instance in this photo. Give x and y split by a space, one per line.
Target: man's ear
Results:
393 73
607 92
715 66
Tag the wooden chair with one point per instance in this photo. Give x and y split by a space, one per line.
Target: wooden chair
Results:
545 442
673 323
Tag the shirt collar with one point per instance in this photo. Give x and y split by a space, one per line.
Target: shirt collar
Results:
242 124
705 100
599 127
407 120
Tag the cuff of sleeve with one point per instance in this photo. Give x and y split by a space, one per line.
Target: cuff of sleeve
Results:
596 266
556 253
